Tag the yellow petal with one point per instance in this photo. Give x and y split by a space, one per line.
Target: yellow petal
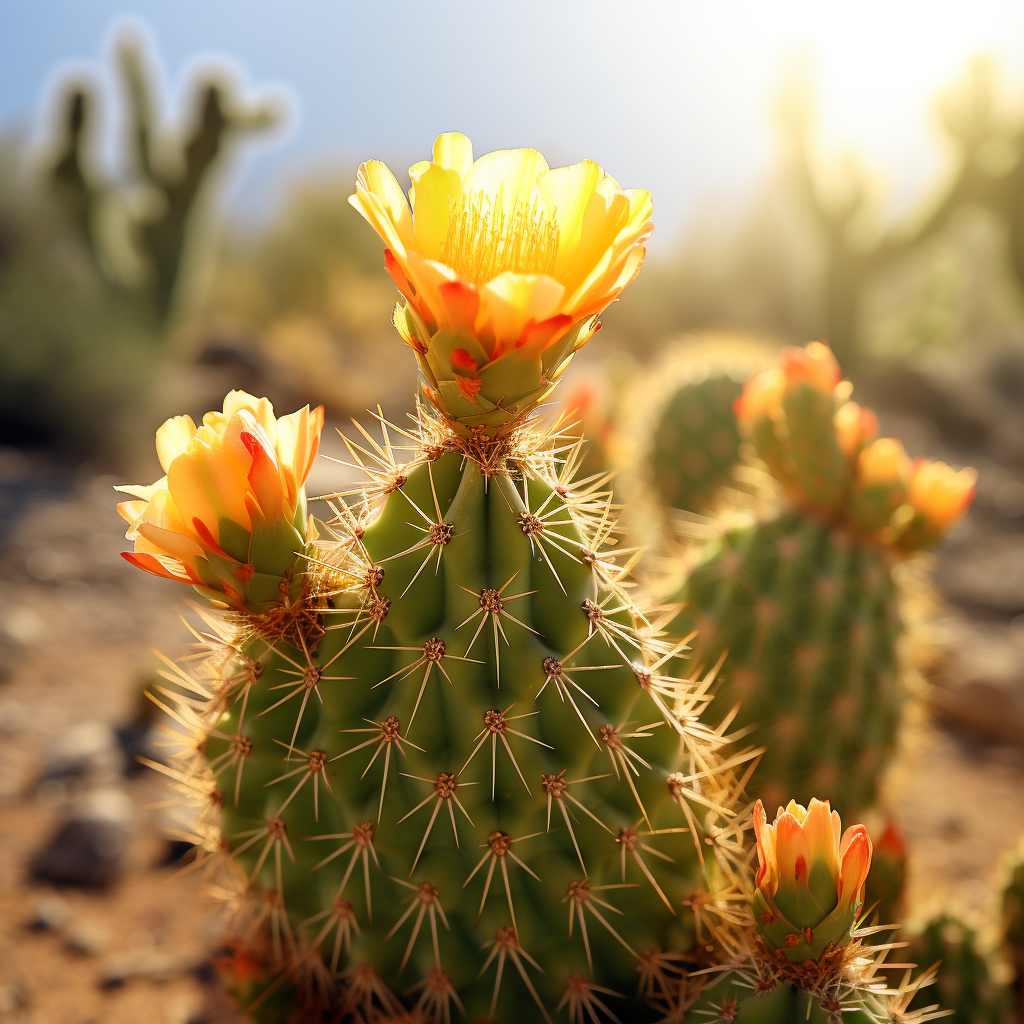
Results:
566 192
260 408
510 173
435 192
380 199
510 301
172 439
454 152
207 484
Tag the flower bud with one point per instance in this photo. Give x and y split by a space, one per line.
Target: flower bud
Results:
813 364
855 428
879 486
230 515
810 881
941 494
762 396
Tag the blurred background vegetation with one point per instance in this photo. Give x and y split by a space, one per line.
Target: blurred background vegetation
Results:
126 296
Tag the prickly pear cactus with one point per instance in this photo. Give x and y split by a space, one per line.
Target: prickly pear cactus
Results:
804 602
445 768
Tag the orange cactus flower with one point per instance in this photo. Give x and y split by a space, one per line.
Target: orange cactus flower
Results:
229 517
884 461
810 878
814 364
501 257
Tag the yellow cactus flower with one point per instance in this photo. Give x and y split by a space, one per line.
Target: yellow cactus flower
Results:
504 264
941 494
884 462
810 878
229 517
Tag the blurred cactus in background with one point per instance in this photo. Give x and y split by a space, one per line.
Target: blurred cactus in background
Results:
675 436
987 174
73 371
805 603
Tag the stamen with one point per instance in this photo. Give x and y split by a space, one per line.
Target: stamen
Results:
483 240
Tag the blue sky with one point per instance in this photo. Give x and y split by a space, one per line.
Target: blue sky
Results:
673 96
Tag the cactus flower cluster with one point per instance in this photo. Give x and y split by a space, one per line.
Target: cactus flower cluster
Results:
825 451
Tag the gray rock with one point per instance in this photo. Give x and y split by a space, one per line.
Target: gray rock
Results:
88 751
90 845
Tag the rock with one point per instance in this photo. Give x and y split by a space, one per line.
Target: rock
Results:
86 938
979 679
50 913
89 847
88 750
153 964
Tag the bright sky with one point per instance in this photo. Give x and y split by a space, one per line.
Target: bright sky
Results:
670 95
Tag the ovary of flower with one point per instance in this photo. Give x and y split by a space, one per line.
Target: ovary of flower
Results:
940 493
762 395
813 364
883 462
239 465
855 428
505 248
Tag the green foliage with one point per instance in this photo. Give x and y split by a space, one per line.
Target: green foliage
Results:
809 619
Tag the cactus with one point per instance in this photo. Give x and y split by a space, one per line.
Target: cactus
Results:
804 955
680 438
967 975
805 602
442 764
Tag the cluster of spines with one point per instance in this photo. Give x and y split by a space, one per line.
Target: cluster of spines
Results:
308 955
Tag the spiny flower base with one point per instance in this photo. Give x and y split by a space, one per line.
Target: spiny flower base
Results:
464 781
843 985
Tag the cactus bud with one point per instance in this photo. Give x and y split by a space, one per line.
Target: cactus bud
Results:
810 882
880 485
939 495
855 428
813 364
230 515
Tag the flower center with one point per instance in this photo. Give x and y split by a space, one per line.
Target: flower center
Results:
484 241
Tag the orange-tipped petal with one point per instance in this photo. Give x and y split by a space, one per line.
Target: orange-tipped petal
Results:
856 862
155 565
